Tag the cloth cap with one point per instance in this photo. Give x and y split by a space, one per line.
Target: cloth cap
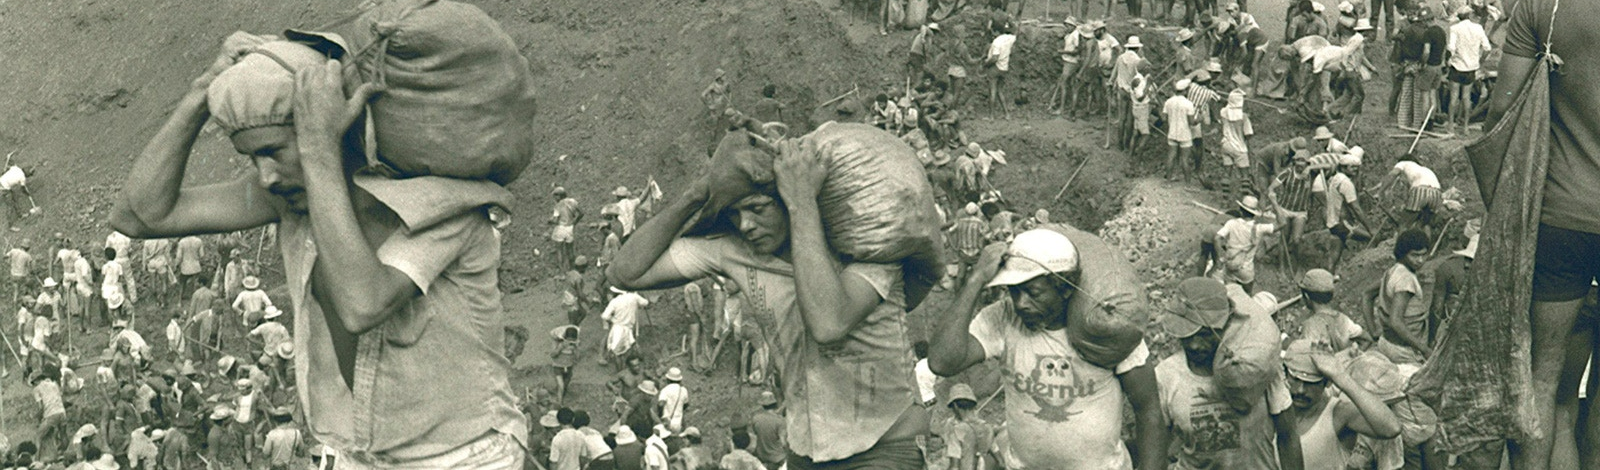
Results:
241 383
258 90
767 399
674 374
1183 84
87 430
1034 253
1378 375
1297 360
1317 280
960 392
1133 43
158 434
549 420
1201 302
649 386
690 431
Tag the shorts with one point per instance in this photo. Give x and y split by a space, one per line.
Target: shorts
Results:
1069 68
1183 144
900 454
956 71
1234 158
1459 77
1565 262
561 234
1423 198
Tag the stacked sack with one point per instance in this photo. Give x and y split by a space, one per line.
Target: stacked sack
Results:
459 97
877 205
1106 318
1251 353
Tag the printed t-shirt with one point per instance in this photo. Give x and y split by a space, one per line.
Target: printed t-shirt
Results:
841 396
1061 411
1572 185
1213 435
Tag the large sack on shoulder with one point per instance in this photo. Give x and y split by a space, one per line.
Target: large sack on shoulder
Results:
877 205
459 99
916 13
1104 336
1251 351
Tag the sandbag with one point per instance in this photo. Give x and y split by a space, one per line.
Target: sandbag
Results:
897 11
916 13
1250 353
1104 336
877 205
459 100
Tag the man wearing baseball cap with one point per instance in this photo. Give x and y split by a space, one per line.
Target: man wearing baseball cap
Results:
1322 322
967 439
1327 418
1212 432
1061 410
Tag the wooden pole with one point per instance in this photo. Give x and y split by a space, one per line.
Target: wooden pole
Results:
1070 178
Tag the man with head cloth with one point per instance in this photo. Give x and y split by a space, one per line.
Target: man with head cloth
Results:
388 295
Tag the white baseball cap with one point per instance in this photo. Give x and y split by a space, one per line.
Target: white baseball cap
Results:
1034 253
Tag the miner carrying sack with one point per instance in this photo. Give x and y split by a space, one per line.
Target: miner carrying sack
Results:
379 154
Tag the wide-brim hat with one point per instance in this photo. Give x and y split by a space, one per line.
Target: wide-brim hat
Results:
272 312
252 282
1250 204
549 420
1322 133
1182 84
286 350
1184 34
625 436
1086 29
662 431
1201 303
767 399
1133 43
674 374
1363 24
649 386
221 412
690 431
622 191
1213 66
226 362
50 282
941 157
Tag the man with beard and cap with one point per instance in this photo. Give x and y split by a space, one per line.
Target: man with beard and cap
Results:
360 256
1328 419
1061 410
1214 433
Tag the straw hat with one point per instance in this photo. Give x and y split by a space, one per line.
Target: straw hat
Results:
1250 204
286 350
1133 43
649 386
1323 133
272 312
1185 34
252 282
226 363
625 436
1364 24
549 420
674 374
1214 66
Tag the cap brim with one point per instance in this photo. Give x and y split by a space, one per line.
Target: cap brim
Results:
1303 376
1013 276
1176 326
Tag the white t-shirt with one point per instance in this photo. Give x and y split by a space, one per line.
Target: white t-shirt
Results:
1000 51
1211 434
1418 175
926 381
13 178
1467 44
673 397
118 241
1061 411
111 274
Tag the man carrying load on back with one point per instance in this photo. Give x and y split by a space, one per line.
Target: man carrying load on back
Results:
389 295
1061 410
838 331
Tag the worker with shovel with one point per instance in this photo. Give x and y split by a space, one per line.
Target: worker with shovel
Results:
14 185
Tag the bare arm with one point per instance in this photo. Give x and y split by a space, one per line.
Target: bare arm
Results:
831 303
364 292
153 204
1370 417
1290 456
951 348
1140 386
639 263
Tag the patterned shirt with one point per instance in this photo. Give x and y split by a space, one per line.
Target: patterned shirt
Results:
969 235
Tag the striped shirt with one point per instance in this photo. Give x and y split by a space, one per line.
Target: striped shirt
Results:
1294 191
1202 98
969 235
